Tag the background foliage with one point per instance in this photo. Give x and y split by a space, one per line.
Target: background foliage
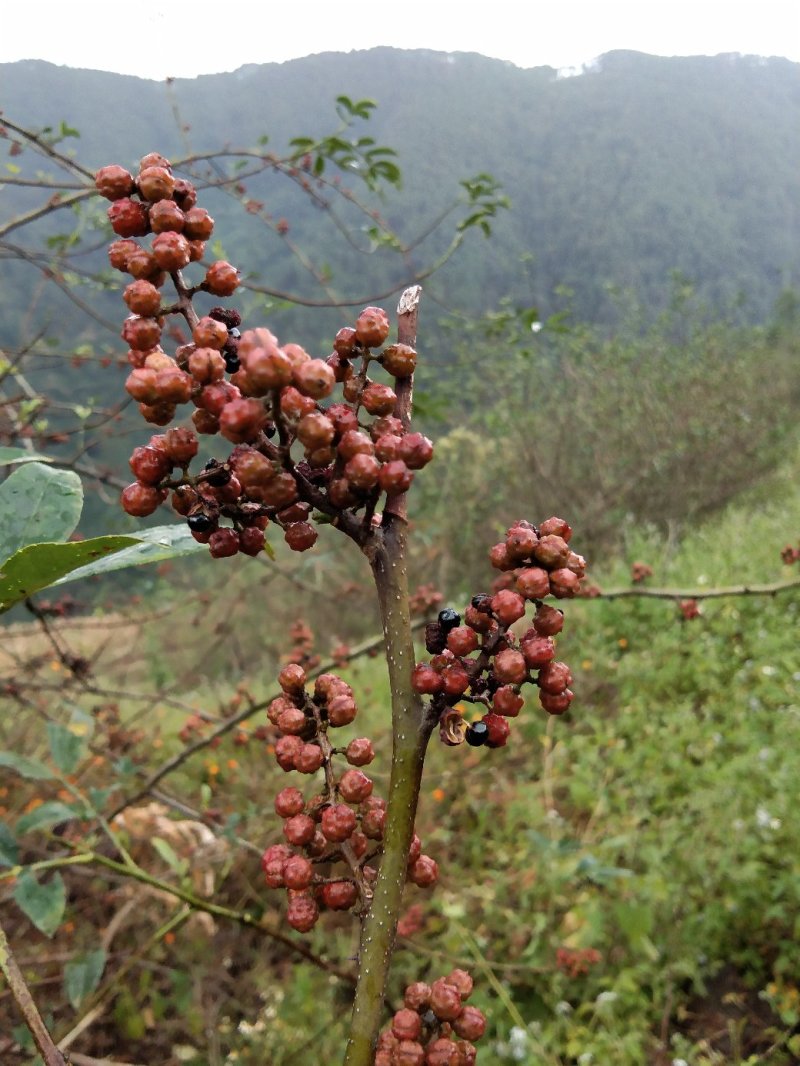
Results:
623 881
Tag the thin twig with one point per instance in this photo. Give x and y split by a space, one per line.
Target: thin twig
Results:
699 594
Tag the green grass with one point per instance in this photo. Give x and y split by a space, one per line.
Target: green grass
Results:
656 825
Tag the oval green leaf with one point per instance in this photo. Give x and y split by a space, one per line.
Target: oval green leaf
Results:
38 503
82 976
150 546
30 768
43 903
45 815
40 565
10 456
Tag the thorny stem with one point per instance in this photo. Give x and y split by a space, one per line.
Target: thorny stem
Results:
51 1056
410 734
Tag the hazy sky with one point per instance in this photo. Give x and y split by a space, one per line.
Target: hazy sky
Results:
182 39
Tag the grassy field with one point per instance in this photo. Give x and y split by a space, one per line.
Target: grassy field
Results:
624 882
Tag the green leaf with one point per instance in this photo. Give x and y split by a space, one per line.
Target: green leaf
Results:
635 920
9 456
43 903
67 744
169 855
125 767
38 503
150 546
45 815
82 976
9 853
41 565
98 797
30 768
589 868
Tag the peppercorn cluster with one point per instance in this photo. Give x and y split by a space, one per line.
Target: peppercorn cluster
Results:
434 1027
262 397
341 826
479 660
640 572
689 609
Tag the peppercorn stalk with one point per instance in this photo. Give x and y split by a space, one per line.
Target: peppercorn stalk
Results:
411 730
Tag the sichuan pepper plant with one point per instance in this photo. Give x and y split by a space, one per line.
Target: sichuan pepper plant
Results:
301 442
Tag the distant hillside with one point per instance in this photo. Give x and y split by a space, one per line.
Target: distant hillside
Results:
636 168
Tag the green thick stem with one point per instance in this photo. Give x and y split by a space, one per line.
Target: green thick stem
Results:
410 737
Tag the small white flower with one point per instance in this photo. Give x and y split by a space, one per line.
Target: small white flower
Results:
764 819
605 998
518 1044
517 1037
768 671
679 1062
562 1007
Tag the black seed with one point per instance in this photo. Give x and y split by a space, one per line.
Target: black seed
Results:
449 619
232 363
477 734
200 523
481 603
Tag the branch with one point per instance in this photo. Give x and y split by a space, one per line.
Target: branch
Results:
53 204
48 150
699 594
410 735
33 1019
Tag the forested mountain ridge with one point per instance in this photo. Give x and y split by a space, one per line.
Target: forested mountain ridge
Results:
638 167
